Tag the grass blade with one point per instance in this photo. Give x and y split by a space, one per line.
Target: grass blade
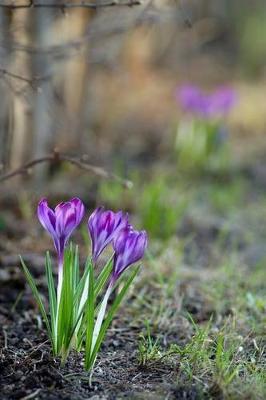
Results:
38 299
109 318
103 277
65 313
81 284
90 316
51 292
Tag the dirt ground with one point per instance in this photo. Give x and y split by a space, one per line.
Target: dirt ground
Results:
213 229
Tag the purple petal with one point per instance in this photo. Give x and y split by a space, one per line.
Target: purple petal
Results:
79 207
63 212
92 227
120 241
223 100
206 105
61 222
46 217
191 98
103 226
129 248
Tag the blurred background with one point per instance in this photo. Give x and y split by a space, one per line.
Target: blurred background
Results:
102 81
170 95
101 85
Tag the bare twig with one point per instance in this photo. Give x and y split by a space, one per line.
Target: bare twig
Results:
62 5
56 158
30 81
22 78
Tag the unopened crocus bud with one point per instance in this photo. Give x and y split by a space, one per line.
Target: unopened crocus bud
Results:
103 226
129 246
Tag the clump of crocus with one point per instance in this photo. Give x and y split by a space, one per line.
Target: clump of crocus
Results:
78 308
205 105
201 138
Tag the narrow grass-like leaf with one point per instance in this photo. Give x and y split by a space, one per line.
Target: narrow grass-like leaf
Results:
51 292
109 318
77 321
81 284
76 269
38 299
103 277
100 316
65 317
89 316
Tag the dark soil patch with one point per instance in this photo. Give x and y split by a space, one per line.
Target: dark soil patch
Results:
28 370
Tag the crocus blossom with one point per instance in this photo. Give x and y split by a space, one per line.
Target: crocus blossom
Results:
60 223
206 105
103 227
129 246
78 314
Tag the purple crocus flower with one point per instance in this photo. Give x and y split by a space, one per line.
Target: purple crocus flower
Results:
206 105
60 223
103 226
190 98
129 246
222 101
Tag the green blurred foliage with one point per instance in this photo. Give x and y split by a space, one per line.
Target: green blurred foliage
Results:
252 42
225 197
2 223
200 146
160 211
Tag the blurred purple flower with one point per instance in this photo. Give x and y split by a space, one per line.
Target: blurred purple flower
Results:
222 100
129 246
190 98
103 227
195 101
61 222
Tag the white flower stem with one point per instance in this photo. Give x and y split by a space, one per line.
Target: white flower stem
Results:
60 280
100 317
59 290
83 299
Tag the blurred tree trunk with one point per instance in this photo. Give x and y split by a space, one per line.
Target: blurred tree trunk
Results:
76 79
4 93
43 95
21 110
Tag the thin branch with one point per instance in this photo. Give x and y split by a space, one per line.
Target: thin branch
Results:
60 50
62 5
30 81
21 78
56 158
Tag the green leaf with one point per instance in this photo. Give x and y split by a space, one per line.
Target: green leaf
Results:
109 318
65 312
51 292
101 314
99 283
78 319
79 308
38 299
81 284
89 316
103 277
76 269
